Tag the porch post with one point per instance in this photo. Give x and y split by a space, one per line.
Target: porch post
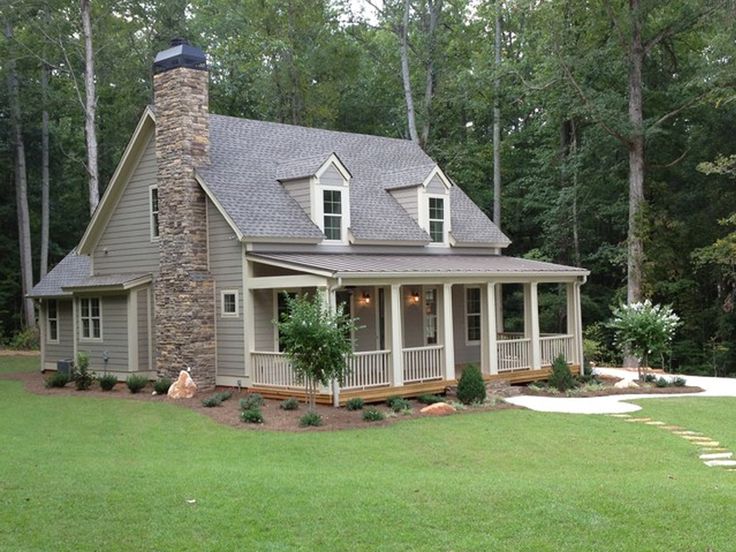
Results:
531 323
579 326
499 307
331 304
491 332
397 337
572 321
448 336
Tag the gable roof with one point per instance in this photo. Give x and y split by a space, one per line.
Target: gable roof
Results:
71 270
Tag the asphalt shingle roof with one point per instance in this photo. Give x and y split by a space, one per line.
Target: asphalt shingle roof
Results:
248 158
71 270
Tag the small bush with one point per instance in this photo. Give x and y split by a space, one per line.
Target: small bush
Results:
25 340
57 379
290 404
211 402
662 382
650 378
679 382
561 378
430 399
252 416
400 405
355 404
107 382
224 395
83 378
471 388
587 379
391 400
373 415
136 383
250 401
161 385
310 419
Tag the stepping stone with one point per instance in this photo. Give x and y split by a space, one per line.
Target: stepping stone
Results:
686 433
713 449
696 437
671 427
708 443
655 423
716 456
640 420
620 415
720 463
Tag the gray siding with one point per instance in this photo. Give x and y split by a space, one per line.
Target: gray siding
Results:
463 353
331 177
143 337
365 337
413 318
436 186
127 237
264 315
114 336
226 265
65 348
299 190
408 199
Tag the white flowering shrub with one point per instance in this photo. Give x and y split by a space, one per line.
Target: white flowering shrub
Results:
644 330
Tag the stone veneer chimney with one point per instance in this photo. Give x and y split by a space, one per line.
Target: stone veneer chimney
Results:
184 288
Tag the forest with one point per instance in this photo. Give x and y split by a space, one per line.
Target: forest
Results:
607 126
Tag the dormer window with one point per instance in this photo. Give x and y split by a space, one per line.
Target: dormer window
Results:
332 209
437 219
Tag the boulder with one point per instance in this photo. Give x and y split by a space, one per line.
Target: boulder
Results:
438 409
626 384
184 387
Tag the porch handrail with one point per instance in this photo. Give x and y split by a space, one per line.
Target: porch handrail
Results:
514 354
273 369
368 369
552 346
422 363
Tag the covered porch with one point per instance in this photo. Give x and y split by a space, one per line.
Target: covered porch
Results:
417 330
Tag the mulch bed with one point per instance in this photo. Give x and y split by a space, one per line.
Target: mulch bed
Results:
644 388
228 413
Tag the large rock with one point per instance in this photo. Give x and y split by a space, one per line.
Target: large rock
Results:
438 409
626 384
184 387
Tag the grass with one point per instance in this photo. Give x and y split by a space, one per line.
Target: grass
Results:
82 473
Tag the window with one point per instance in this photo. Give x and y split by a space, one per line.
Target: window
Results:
437 219
472 314
52 321
281 312
91 317
430 316
332 208
229 304
154 212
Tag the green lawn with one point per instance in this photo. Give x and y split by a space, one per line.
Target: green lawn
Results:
87 474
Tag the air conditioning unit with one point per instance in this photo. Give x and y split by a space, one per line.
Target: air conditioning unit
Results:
65 366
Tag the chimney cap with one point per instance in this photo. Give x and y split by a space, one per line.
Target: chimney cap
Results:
180 54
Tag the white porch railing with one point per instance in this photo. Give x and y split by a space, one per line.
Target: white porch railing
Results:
552 346
273 369
514 354
369 369
422 363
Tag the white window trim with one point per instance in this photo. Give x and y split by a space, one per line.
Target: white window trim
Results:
467 314
234 292
81 326
445 220
344 207
436 315
151 226
48 323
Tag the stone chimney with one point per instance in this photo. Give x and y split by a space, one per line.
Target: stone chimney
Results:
184 288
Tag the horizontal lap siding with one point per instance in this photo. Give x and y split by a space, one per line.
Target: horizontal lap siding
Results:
435 186
300 191
413 318
331 177
365 336
226 265
114 336
65 348
143 329
463 353
127 237
408 198
264 315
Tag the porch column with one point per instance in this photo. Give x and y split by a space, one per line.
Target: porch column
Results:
531 324
397 337
499 307
571 291
578 340
491 332
330 300
448 336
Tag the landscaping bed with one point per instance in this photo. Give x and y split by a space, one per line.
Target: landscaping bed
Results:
603 386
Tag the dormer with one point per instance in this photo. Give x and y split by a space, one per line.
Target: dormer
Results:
321 185
424 193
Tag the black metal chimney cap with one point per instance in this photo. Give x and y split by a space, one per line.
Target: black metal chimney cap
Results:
180 54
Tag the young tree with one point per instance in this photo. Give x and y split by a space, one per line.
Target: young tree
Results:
316 341
90 106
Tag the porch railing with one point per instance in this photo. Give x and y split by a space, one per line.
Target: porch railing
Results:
422 363
514 354
552 346
273 369
369 369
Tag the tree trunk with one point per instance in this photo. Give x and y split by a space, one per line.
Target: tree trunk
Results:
405 76
575 218
44 172
21 188
435 10
90 107
497 124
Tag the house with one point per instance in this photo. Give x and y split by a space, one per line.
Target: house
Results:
208 220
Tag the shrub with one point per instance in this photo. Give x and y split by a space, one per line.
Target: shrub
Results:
290 404
57 379
250 401
310 419
211 402
252 416
679 382
136 383
223 395
650 378
561 377
373 415
661 382
355 404
83 378
161 385
471 388
25 340
107 382
430 399
400 405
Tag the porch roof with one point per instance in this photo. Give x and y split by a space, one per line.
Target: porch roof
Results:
345 265
109 282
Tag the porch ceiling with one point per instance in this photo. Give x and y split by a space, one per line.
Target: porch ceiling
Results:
352 265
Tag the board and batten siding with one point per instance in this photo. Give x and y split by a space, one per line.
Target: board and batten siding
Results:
64 349
408 198
114 336
226 266
300 190
125 245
